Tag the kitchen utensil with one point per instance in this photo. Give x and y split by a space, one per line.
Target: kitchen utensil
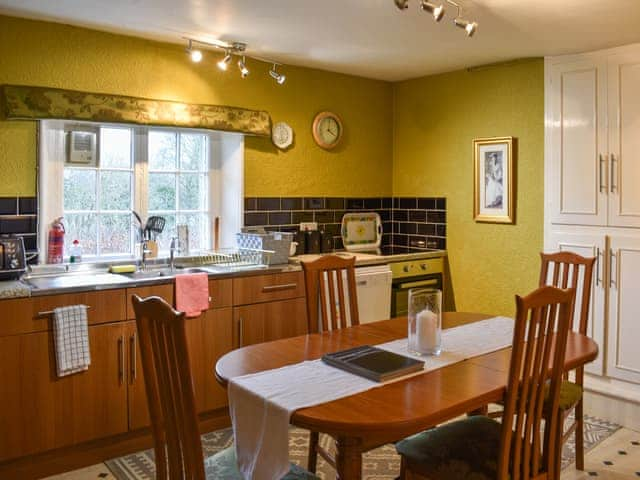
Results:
155 224
141 233
293 248
216 234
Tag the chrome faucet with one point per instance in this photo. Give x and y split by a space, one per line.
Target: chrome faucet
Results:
144 251
173 248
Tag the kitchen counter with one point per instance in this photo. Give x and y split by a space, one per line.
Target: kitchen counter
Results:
101 279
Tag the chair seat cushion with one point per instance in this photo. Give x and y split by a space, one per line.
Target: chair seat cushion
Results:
466 449
224 465
570 395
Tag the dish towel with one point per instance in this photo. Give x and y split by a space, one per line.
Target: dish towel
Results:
261 404
192 293
71 339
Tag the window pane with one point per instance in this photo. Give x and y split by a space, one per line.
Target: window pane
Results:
192 195
164 239
115 233
82 227
192 152
115 148
197 223
162 151
162 191
79 189
115 190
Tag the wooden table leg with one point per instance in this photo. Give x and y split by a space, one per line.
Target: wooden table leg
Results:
349 458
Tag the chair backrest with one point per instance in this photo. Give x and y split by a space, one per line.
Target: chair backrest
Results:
570 270
329 281
533 390
169 387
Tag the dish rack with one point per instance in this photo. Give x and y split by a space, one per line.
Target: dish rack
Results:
242 257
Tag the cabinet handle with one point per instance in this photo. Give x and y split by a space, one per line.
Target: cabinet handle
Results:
613 278
48 313
603 174
614 186
277 288
240 331
133 357
598 265
121 359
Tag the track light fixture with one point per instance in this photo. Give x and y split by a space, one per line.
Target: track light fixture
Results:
278 77
194 53
437 12
244 71
468 26
236 49
226 60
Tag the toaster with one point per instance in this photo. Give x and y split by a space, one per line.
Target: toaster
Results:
13 262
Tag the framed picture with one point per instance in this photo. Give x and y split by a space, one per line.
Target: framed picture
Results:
494 180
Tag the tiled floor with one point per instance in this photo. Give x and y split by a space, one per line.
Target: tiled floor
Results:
616 458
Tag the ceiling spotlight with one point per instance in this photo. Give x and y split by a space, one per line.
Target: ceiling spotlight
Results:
194 53
469 27
402 4
224 63
436 10
244 71
278 77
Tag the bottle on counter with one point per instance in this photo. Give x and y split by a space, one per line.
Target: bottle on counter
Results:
75 252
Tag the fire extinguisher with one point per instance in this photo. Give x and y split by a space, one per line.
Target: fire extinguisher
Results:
56 242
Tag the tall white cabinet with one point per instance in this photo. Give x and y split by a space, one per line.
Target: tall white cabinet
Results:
592 196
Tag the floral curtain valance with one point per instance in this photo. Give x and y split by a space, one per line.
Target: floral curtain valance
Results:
31 103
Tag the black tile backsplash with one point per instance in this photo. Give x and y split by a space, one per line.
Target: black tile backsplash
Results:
18 216
409 222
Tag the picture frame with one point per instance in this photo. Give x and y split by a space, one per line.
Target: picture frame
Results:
494 177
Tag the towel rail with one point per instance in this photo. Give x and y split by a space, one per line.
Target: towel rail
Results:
51 312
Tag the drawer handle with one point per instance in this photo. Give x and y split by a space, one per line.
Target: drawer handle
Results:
277 288
48 313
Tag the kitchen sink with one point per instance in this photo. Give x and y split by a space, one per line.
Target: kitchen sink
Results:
164 272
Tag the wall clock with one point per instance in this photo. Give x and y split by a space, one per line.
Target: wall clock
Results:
282 135
327 130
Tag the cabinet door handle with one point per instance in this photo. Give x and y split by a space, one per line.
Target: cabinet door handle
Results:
598 265
240 331
603 174
613 278
614 161
121 359
133 357
277 288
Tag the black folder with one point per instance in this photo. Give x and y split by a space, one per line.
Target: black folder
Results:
373 363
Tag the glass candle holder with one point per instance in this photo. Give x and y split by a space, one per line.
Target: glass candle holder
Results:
425 321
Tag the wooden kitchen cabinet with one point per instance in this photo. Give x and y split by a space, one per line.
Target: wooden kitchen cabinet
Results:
264 322
209 336
39 411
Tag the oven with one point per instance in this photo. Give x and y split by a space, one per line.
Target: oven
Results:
424 273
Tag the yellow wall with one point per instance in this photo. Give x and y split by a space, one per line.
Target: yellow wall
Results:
436 120
48 54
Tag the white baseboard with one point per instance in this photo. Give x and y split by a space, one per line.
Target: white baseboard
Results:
618 410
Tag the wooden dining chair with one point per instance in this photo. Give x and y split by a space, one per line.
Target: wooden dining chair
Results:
570 270
171 400
329 281
519 448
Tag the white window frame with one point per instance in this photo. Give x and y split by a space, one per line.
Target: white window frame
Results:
226 179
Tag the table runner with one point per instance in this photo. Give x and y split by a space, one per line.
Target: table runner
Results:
261 404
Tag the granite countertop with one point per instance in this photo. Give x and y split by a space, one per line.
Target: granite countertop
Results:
102 280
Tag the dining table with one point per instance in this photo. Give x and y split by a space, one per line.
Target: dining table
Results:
389 413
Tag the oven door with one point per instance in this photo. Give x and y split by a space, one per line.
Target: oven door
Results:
400 291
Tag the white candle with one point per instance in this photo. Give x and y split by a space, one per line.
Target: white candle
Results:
426 331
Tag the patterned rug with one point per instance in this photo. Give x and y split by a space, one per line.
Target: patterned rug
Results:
380 464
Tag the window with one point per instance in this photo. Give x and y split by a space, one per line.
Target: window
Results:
186 176
97 201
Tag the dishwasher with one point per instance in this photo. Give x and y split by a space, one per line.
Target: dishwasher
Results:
373 288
